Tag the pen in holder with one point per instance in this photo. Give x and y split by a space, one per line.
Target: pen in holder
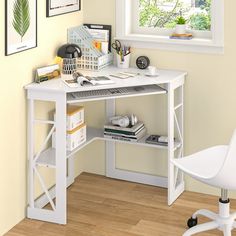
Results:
122 54
123 60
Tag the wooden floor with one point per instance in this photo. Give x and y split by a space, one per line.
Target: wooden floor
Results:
98 206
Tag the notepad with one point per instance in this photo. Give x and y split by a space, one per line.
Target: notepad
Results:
124 75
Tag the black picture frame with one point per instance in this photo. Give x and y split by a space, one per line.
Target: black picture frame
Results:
102 27
56 7
16 39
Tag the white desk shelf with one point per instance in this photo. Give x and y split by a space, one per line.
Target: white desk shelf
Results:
63 161
48 157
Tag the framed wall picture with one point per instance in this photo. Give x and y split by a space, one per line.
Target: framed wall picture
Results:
20 25
58 7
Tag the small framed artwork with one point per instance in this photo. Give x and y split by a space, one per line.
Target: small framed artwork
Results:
47 73
20 25
58 7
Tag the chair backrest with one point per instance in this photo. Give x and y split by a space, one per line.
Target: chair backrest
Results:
226 177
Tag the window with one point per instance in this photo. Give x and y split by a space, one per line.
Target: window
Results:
154 21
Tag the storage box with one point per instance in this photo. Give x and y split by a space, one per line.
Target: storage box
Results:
75 117
92 58
74 138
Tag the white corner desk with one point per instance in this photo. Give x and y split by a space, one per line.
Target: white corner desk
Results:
62 161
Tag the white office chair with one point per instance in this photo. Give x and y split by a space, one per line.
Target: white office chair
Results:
215 166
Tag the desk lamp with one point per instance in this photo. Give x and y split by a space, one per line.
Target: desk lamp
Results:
69 53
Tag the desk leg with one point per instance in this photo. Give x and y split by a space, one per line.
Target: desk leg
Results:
30 153
70 171
110 146
61 163
175 179
36 208
170 144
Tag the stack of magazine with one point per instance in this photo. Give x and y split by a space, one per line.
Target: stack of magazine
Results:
131 133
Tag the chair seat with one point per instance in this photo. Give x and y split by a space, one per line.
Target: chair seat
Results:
204 164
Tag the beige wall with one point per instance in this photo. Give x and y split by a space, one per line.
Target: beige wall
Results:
16 71
210 96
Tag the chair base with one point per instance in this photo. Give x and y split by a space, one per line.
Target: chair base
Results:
223 221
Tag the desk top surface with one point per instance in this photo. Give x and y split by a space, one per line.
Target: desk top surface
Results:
57 85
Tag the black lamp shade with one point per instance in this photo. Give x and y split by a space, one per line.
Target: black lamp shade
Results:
69 51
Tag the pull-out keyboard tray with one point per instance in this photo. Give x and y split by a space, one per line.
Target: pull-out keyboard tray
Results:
114 93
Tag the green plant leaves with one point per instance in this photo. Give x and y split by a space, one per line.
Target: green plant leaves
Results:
21 17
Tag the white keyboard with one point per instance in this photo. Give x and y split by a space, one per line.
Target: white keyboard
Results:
113 92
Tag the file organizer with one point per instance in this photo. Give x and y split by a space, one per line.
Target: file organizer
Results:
92 58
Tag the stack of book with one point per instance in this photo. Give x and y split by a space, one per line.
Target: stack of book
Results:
181 36
131 134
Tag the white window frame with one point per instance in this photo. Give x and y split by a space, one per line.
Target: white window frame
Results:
214 43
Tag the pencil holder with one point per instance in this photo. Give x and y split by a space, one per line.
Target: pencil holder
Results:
123 62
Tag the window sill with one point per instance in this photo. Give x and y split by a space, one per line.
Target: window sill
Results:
165 43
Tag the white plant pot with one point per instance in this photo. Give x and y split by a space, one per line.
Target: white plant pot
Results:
180 29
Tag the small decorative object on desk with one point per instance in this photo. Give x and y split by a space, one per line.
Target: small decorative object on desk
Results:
122 54
152 72
47 73
92 58
180 27
142 62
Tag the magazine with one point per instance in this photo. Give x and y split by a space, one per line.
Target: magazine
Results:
99 80
77 79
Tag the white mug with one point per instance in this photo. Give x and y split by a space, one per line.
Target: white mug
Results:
152 70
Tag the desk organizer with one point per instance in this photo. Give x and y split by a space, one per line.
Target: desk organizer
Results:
92 58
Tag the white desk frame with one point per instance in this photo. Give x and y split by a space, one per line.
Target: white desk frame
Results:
63 161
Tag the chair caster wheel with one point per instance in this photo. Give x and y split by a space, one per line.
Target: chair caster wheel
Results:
192 222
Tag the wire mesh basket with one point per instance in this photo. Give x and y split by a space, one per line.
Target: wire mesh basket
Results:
92 58
69 66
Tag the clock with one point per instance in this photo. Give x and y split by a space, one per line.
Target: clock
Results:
142 62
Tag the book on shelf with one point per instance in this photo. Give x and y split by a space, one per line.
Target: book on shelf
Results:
130 128
139 135
125 137
181 36
116 131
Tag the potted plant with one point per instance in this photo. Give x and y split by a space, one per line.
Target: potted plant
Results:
180 27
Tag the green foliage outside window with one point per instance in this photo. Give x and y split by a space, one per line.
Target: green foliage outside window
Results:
200 21
163 13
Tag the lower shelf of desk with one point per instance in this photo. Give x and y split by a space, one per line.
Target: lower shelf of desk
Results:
47 158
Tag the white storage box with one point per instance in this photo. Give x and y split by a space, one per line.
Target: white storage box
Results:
75 117
74 138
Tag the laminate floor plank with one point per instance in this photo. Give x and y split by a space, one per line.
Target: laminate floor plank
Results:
100 206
